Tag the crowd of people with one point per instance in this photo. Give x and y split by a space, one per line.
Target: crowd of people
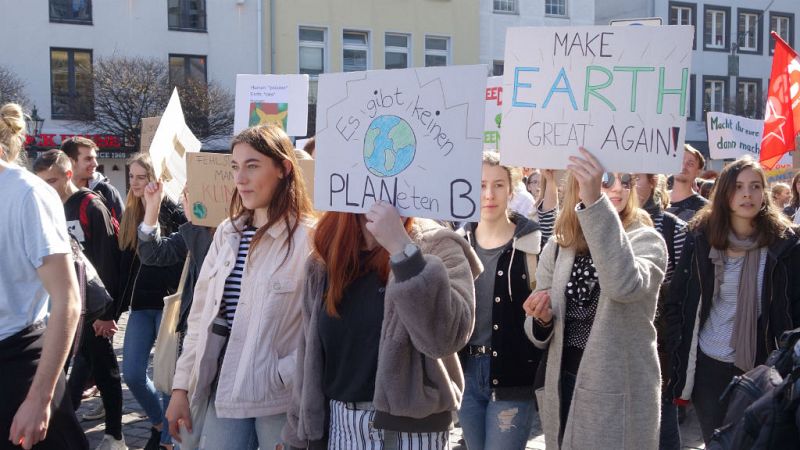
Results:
592 301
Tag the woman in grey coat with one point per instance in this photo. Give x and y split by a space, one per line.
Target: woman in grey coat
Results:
593 311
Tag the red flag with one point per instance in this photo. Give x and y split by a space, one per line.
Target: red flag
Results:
782 115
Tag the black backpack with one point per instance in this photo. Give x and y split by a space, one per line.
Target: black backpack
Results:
763 403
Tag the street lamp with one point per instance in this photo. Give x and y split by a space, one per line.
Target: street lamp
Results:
34 123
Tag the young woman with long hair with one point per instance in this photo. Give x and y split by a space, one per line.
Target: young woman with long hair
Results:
592 311
387 304
143 288
499 362
734 291
794 204
244 324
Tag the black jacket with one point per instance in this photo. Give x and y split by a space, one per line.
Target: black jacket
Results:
514 358
693 288
145 286
109 194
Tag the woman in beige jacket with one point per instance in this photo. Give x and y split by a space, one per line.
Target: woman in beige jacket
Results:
246 308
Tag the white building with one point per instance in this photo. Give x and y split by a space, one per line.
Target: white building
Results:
498 15
732 59
47 41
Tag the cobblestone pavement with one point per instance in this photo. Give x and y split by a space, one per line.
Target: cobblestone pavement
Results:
136 427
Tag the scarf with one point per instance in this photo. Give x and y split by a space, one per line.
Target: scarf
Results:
744 337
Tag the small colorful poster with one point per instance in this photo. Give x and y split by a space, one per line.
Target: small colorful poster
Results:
493 116
277 99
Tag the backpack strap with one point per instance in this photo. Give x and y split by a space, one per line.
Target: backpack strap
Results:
83 215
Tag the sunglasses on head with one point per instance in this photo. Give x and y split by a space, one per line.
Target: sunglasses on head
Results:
609 178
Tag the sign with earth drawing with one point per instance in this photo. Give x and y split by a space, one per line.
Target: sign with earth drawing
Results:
411 137
277 99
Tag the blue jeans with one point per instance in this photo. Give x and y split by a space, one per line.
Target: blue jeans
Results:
492 424
244 434
140 336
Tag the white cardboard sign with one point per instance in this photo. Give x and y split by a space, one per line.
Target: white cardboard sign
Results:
732 136
279 99
412 137
621 92
493 116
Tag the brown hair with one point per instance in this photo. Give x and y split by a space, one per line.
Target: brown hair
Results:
701 161
715 217
134 207
72 146
52 158
777 189
12 132
568 232
795 193
290 202
492 158
310 146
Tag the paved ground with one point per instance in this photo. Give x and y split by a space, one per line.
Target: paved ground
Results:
136 427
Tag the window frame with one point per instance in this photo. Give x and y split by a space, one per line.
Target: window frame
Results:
726 47
726 80
324 45
759 49
204 29
495 63
693 8
358 47
513 3
759 105
186 58
89 21
692 108
71 82
393 49
790 17
434 52
566 9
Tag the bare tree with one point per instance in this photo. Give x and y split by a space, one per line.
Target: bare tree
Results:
12 88
207 109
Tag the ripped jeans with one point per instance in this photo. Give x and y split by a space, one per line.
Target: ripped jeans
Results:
492 424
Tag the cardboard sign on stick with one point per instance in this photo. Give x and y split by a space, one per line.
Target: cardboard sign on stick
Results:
493 115
149 127
411 137
278 99
209 187
732 136
621 92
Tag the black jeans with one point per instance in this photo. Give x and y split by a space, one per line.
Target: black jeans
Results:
567 389
19 357
710 380
96 358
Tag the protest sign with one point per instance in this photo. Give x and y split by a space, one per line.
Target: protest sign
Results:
493 116
209 187
621 92
783 170
149 127
411 137
732 136
278 99
171 142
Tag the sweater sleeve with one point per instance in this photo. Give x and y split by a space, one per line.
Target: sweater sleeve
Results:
436 303
156 250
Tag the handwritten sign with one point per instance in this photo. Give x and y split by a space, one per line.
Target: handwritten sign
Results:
278 99
621 92
732 136
149 127
493 115
783 170
411 137
209 187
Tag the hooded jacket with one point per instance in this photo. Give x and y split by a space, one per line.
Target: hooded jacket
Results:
109 194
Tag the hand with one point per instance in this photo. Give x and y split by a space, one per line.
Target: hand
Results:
538 306
30 422
178 414
548 174
589 173
152 202
104 328
185 203
385 224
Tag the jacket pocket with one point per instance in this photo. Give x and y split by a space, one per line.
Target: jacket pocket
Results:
597 420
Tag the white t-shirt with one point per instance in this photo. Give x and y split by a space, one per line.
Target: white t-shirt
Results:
32 226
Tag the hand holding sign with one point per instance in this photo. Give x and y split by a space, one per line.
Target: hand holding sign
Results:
589 173
386 226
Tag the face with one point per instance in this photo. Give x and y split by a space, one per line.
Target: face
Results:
56 178
86 164
256 175
782 197
620 190
643 187
748 196
534 181
495 192
690 168
797 185
138 179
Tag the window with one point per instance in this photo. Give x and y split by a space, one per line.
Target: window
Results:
497 68
397 54
187 15
437 51
748 98
690 114
505 6
783 24
71 11
71 85
715 92
683 14
555 7
716 32
183 68
355 51
313 45
749 31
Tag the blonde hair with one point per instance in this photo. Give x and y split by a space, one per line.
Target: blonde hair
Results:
134 207
777 189
568 232
492 158
12 132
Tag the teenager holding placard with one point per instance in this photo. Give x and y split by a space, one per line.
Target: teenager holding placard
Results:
388 302
144 288
244 325
602 379
734 292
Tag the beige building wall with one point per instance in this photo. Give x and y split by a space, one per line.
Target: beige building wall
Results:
456 19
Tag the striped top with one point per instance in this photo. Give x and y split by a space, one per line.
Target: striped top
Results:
547 222
233 284
678 239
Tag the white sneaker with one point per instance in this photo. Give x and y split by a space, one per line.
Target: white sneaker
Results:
109 443
95 413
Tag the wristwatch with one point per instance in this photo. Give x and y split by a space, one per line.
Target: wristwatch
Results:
409 250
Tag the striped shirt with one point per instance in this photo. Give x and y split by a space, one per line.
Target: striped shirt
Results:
233 284
547 222
678 239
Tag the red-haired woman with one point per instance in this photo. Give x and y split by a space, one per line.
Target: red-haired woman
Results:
387 305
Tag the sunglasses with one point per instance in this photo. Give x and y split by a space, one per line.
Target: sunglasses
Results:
609 178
